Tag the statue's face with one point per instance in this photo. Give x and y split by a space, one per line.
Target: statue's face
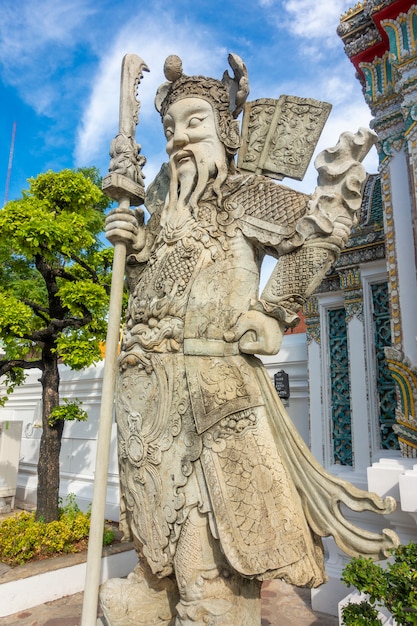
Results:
192 140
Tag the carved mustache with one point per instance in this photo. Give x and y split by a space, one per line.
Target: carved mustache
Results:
182 155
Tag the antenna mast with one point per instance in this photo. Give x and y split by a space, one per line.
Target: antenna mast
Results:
9 167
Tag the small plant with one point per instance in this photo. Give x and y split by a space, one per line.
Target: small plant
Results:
108 536
23 538
69 411
361 614
395 588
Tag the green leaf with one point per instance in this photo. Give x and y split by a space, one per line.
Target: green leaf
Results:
69 411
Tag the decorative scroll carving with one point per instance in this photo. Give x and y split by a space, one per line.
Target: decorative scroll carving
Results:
279 136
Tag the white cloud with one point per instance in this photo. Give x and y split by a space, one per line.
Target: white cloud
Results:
338 88
28 29
314 19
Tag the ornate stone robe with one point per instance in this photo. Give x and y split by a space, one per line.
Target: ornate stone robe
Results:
200 424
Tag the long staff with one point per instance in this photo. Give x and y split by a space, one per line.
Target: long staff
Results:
124 184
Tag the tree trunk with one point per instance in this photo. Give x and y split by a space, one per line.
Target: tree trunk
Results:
50 446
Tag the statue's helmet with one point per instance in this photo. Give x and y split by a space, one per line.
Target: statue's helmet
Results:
226 96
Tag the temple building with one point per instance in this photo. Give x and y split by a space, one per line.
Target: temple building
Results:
348 330
362 323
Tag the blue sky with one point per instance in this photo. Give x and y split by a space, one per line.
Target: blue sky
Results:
60 71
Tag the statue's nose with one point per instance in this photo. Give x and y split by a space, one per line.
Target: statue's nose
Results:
180 138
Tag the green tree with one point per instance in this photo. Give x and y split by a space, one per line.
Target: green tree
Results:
54 286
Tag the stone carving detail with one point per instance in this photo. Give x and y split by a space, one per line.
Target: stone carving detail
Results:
124 151
125 158
140 600
219 491
125 178
280 135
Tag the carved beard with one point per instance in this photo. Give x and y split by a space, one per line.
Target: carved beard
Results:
186 191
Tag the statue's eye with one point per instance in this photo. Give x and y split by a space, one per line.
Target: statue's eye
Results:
168 132
195 121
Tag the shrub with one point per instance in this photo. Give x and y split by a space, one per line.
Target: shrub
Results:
361 614
23 538
394 587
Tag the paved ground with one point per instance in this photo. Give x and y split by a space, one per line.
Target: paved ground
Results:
282 605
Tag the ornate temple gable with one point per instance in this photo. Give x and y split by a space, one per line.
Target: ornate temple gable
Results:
363 33
353 292
358 31
369 231
371 214
380 39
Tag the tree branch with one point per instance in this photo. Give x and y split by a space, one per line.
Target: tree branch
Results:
61 273
8 365
56 325
87 267
38 309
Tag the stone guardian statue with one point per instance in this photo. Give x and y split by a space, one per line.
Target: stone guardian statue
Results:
218 490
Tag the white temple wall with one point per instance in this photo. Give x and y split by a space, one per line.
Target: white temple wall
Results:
359 396
319 428
78 452
292 358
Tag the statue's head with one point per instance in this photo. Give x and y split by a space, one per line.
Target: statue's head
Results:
199 114
180 86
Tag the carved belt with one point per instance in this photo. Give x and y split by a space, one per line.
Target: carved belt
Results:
210 347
